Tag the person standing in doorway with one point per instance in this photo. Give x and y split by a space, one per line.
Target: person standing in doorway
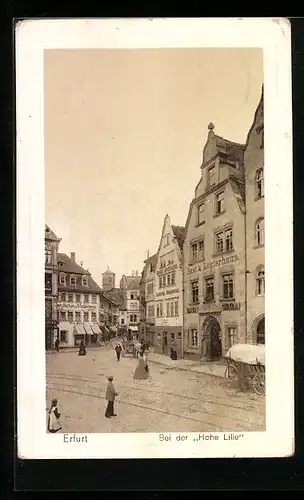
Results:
118 350
110 397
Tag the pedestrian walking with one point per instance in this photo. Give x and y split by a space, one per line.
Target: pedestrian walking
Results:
54 416
110 397
118 350
57 345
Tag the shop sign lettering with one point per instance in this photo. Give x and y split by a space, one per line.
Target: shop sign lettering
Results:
176 290
214 263
231 306
192 310
167 269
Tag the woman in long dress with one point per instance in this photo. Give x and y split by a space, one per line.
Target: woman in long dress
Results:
142 370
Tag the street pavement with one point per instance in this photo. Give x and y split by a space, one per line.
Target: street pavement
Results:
178 397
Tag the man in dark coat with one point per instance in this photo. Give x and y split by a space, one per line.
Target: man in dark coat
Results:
118 350
110 397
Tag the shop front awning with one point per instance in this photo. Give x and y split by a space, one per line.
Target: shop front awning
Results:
88 328
133 328
95 328
79 329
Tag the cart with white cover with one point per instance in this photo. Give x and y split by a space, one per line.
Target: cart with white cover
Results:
246 367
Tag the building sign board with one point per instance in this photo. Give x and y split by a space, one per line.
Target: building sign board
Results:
214 263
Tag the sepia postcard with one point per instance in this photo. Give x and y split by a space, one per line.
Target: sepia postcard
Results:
154 238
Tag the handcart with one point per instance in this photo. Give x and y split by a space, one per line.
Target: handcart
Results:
246 367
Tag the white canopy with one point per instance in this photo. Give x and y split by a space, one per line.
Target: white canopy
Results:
247 353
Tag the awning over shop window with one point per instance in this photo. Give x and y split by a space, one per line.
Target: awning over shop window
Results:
88 328
79 329
95 328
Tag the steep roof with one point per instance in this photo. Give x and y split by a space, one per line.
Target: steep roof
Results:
231 150
49 234
116 295
68 266
151 260
180 234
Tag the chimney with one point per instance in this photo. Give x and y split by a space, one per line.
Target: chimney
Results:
73 257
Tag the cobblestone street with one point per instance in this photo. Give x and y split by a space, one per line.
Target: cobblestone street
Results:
172 400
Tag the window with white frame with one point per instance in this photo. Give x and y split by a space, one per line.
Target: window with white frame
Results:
228 286
231 336
224 241
94 298
150 311
70 316
63 336
172 336
62 297
48 256
86 298
259 232
209 289
260 280
62 279
259 183
86 317
173 278
168 308
93 317
85 281
219 202
70 297
72 280
194 292
77 316
197 251
62 315
193 338
211 177
169 279
200 213
78 298
176 308
171 308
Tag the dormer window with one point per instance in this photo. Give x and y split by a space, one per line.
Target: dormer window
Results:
211 177
72 280
62 279
200 214
84 281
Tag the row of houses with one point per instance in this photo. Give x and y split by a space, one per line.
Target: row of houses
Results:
203 290
77 308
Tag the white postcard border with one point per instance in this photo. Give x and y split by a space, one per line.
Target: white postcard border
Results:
32 38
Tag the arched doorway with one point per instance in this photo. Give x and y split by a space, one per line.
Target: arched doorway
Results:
212 344
260 331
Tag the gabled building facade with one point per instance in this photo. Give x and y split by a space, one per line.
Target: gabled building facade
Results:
78 304
254 181
168 328
147 299
214 253
51 244
130 285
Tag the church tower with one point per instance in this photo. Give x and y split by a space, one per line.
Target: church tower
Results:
108 280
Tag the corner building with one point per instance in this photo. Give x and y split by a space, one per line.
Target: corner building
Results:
168 290
254 175
214 253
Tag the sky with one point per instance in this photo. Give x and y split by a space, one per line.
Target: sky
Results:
124 134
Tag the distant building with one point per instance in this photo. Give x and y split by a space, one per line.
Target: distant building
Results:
51 243
130 285
79 303
147 299
214 253
168 290
108 280
255 271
